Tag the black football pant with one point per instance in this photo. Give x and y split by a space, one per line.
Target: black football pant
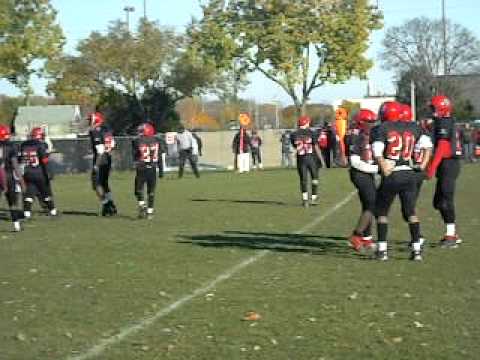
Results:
12 195
307 164
367 192
326 153
402 183
37 183
146 176
183 156
256 157
101 176
420 178
444 199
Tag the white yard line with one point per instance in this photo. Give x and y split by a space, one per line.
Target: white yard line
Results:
129 330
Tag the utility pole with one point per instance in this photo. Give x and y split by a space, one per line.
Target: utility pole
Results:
145 9
444 26
412 100
128 10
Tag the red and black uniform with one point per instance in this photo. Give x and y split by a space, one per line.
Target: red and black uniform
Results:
147 157
398 141
9 181
446 166
256 144
324 145
34 158
362 170
103 143
304 141
418 158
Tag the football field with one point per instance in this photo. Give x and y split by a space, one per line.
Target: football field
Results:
181 286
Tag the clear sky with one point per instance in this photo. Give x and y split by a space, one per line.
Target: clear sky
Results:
79 17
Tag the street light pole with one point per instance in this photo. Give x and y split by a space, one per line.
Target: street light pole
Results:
145 9
128 10
444 28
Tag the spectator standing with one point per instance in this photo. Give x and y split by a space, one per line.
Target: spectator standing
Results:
287 149
256 144
241 147
185 144
468 142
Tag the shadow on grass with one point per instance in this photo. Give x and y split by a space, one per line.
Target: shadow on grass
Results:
254 202
281 242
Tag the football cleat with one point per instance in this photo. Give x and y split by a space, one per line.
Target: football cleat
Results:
381 255
113 208
142 212
416 256
314 202
305 204
450 242
356 242
368 243
16 226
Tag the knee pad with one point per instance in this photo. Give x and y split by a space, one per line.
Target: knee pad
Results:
28 199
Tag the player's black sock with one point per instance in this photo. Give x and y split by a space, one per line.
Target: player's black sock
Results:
382 230
151 200
414 231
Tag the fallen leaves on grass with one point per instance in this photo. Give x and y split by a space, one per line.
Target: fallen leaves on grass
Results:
251 316
418 324
353 296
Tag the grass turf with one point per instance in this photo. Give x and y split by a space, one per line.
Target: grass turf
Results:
68 283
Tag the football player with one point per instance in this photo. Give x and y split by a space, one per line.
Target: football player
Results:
421 156
102 145
362 172
146 154
305 141
393 145
11 180
446 166
34 159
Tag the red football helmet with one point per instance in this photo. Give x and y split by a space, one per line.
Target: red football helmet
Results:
303 120
37 133
4 132
96 119
390 111
364 117
146 129
441 106
406 115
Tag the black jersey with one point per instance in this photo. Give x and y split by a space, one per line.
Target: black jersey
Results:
399 139
304 141
358 143
146 151
101 137
445 129
8 153
33 155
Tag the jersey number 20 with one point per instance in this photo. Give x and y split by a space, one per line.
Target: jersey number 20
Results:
400 145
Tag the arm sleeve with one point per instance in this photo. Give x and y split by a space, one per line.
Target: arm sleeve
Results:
357 163
443 150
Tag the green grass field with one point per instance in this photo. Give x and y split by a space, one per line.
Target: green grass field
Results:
178 287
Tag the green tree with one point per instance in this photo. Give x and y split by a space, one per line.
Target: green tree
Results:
418 44
300 45
28 32
121 70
